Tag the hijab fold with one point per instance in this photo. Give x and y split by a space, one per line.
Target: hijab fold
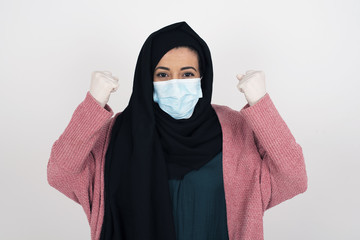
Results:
148 147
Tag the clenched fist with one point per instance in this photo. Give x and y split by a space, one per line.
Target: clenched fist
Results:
102 85
252 84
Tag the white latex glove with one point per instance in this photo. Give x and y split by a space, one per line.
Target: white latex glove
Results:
252 84
102 85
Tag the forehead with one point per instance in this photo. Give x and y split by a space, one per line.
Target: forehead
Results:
180 54
181 50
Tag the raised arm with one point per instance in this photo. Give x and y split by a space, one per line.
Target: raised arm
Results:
283 172
71 165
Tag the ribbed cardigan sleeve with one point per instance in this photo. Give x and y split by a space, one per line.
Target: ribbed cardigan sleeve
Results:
71 165
283 171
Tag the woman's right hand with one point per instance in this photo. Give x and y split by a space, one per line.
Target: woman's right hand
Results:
102 85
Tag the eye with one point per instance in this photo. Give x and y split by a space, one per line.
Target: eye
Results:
161 75
189 74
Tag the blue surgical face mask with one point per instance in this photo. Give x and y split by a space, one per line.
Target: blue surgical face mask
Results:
178 97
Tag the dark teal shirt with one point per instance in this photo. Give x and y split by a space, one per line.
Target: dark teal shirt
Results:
199 203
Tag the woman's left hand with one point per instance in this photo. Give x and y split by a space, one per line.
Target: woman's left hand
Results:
252 84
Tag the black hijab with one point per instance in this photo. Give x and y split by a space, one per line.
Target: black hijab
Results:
148 147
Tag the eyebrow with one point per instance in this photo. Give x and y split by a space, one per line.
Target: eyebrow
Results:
183 68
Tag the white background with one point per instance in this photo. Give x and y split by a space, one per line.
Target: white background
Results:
308 49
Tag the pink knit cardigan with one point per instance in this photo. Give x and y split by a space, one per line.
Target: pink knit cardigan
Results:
263 165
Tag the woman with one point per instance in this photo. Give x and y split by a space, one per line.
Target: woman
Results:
172 165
